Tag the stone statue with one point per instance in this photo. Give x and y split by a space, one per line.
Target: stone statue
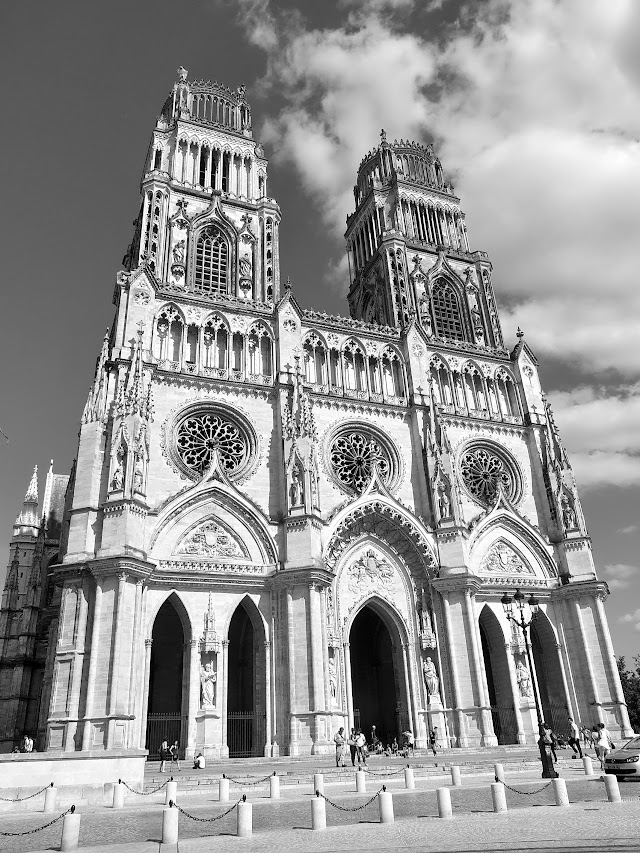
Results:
333 678
178 253
208 680
444 501
524 679
431 680
117 480
138 477
296 492
246 268
568 513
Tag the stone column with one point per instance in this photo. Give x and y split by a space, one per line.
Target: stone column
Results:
78 658
325 651
477 672
93 658
194 693
115 666
407 687
515 693
145 693
291 661
455 681
223 695
610 664
347 682
134 676
207 179
316 646
267 697
587 660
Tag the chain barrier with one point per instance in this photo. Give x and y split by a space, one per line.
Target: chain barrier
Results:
22 799
70 810
386 772
206 819
240 782
145 793
355 808
515 790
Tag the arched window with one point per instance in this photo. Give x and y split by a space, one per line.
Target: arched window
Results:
392 374
260 353
446 312
314 360
168 335
216 342
212 261
354 366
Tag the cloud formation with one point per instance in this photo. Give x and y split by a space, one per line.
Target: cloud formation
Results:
619 575
631 619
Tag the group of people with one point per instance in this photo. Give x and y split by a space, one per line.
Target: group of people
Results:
171 754
597 737
26 745
356 746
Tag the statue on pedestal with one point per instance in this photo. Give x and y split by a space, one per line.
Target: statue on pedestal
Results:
208 678
524 680
431 680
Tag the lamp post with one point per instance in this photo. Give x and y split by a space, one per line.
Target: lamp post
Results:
548 771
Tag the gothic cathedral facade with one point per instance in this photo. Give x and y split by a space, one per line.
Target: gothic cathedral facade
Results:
281 521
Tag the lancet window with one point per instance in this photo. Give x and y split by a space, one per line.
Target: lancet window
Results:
506 393
260 348
474 387
442 384
215 340
212 261
447 311
315 360
355 377
168 335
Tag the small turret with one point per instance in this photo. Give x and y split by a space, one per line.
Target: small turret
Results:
28 517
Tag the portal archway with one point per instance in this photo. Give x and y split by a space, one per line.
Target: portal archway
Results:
168 681
377 675
546 657
496 665
246 706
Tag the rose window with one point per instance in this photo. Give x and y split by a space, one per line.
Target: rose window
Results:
201 435
353 454
484 468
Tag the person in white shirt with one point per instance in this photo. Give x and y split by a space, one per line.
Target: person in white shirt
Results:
361 743
574 738
603 744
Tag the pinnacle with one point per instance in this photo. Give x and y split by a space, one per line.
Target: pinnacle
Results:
31 496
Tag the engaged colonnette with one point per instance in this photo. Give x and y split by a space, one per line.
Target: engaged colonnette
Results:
281 521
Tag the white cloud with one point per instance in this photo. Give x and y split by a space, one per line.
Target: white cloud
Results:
631 618
630 528
535 107
619 575
600 430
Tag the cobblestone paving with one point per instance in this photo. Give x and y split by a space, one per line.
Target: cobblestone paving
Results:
141 821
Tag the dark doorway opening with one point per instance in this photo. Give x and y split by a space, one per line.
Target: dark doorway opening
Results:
245 726
546 659
373 677
496 666
166 681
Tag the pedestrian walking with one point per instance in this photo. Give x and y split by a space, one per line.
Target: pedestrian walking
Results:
340 742
164 755
361 748
433 739
351 741
549 740
175 755
603 744
574 738
408 736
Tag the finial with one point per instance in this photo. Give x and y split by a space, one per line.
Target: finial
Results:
519 333
182 74
288 283
32 492
141 326
383 136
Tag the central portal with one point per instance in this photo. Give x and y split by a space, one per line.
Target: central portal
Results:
373 677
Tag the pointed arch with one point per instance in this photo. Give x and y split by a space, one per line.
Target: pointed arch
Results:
549 672
507 722
504 524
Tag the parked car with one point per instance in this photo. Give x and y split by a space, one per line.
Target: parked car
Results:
625 760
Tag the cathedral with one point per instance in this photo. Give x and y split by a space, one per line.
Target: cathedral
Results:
281 521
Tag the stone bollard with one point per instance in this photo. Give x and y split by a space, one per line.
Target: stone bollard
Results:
612 788
455 776
499 797
409 781
274 786
361 782
444 802
318 812
587 763
50 797
245 819
498 772
560 792
170 824
318 782
70 831
172 792
385 800
118 795
223 790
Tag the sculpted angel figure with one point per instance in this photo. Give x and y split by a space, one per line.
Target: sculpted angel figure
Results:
208 678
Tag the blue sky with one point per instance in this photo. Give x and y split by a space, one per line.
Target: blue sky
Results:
534 107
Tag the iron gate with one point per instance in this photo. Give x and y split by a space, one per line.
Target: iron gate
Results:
163 727
505 725
557 716
246 734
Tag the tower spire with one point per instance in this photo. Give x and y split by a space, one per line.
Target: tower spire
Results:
28 516
94 409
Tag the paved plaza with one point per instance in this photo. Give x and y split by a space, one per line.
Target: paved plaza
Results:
532 822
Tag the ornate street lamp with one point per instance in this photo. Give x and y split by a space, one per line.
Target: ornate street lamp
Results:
548 771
